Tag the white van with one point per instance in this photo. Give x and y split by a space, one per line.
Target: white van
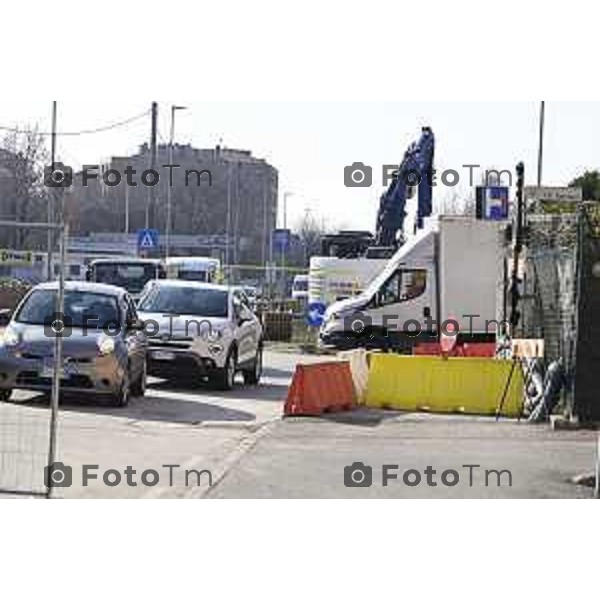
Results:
452 271
332 279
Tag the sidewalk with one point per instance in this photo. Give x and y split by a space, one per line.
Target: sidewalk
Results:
306 458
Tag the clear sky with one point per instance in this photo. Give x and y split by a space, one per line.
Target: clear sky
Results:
311 142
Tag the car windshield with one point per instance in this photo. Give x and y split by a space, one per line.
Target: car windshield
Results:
133 277
185 301
82 309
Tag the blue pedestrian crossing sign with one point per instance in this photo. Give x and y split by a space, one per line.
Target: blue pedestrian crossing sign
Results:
147 239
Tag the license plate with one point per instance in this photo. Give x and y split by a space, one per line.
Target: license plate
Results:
161 355
48 373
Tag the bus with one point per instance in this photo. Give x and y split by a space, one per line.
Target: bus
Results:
129 273
193 268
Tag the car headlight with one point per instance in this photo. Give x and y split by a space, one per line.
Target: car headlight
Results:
9 338
106 345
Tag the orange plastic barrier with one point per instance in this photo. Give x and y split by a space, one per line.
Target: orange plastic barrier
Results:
320 388
468 350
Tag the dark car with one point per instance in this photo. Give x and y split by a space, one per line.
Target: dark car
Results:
104 346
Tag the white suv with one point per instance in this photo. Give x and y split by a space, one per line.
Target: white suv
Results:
202 330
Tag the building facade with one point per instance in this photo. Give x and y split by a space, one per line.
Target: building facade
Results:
219 193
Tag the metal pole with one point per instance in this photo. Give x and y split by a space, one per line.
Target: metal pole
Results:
168 227
51 197
228 225
541 143
283 257
127 209
150 207
597 485
58 348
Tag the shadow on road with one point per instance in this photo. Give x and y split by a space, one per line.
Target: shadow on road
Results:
269 391
153 408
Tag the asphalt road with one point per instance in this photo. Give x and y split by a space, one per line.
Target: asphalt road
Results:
238 442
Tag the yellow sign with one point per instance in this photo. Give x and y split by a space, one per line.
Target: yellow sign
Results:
16 258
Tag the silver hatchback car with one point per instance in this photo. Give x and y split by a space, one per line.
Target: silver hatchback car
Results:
104 346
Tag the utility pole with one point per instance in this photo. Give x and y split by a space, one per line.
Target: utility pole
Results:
151 212
541 143
169 224
286 195
228 226
127 209
51 197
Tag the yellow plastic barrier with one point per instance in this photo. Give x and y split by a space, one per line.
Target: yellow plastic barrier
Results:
457 385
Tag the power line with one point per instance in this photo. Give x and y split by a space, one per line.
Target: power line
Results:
82 132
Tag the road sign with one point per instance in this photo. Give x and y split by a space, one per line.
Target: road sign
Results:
281 239
553 194
148 239
315 314
16 258
492 202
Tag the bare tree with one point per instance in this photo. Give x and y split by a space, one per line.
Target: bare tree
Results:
310 231
23 156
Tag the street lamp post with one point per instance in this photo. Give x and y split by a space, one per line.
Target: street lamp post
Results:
169 224
286 195
541 143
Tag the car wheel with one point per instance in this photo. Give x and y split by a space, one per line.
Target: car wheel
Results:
123 395
139 388
5 395
252 376
225 378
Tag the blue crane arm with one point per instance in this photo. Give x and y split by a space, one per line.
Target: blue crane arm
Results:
416 167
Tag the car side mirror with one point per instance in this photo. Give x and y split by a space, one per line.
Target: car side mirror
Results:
243 314
5 317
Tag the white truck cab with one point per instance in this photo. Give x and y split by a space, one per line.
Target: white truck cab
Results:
449 272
